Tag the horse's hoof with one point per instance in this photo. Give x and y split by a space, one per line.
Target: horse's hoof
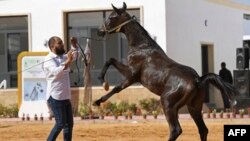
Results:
105 86
96 103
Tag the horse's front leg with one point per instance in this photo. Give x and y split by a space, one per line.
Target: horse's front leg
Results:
115 90
123 69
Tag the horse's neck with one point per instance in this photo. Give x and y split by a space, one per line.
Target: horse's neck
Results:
139 38
137 35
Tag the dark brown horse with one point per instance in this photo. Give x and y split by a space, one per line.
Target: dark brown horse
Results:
176 84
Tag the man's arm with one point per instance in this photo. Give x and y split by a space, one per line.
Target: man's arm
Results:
52 69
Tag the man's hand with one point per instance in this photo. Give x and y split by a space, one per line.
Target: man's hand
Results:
73 41
69 59
70 56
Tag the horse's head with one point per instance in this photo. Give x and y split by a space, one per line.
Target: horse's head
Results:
116 20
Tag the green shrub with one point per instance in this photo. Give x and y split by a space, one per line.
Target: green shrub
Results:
122 107
84 110
8 111
132 107
110 108
150 105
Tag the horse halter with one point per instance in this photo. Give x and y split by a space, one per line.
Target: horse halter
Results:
118 27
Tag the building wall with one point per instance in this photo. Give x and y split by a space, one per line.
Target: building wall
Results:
186 31
190 24
46 16
179 26
46 19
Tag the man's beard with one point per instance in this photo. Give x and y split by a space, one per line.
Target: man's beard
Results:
60 51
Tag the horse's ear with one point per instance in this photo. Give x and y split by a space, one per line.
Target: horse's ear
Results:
124 6
116 9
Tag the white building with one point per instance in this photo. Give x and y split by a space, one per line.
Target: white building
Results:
197 33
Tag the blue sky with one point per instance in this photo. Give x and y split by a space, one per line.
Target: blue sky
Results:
247 2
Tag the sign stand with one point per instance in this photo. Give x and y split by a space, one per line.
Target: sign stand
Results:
32 85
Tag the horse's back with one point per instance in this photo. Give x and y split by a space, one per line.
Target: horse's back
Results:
158 72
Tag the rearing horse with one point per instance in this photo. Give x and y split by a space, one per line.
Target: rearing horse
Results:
176 84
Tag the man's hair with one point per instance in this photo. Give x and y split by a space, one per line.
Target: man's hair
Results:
52 41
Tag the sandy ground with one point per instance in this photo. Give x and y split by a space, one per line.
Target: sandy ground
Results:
136 129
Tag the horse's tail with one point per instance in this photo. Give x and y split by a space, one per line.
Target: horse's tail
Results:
224 87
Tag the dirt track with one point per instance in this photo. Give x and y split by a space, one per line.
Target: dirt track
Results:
114 130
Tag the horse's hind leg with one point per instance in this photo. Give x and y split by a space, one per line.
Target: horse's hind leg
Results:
194 108
171 113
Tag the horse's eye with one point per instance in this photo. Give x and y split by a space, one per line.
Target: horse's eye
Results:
113 17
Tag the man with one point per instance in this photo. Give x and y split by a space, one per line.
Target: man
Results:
56 68
226 75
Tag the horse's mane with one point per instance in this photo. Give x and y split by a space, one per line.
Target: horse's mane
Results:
148 39
145 32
